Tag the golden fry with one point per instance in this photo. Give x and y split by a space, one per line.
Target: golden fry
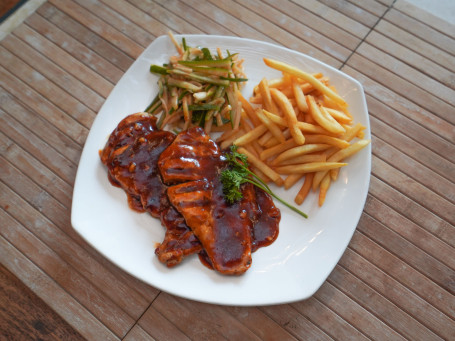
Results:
299 96
248 109
274 176
299 150
305 189
339 156
251 135
309 167
308 77
323 118
273 128
290 115
338 115
267 101
229 141
292 179
304 159
346 152
267 153
325 184
333 141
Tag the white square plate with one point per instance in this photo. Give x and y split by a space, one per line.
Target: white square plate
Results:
306 250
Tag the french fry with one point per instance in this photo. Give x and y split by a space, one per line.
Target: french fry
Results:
346 152
270 152
248 109
289 113
297 151
291 180
305 189
303 126
333 141
304 159
267 101
309 167
269 172
308 77
338 115
251 135
325 184
324 119
272 127
339 156
299 96
229 141
301 129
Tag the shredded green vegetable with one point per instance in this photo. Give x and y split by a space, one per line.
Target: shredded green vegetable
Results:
198 87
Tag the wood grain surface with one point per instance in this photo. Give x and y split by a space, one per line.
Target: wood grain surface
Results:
395 281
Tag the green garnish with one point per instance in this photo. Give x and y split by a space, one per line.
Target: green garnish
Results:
238 173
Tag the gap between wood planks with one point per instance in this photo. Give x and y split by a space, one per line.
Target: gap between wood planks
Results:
366 35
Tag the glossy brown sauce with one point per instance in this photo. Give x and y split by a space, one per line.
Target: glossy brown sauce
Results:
156 168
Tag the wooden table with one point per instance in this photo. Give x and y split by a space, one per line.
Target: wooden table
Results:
396 279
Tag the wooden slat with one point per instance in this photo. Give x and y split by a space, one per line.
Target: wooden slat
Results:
27 140
299 29
297 325
440 40
94 300
435 321
413 189
45 88
30 166
352 11
416 213
321 25
429 49
23 315
159 327
154 17
431 180
339 19
431 83
355 314
372 6
405 108
98 26
43 107
192 317
402 87
277 33
429 19
408 276
122 23
114 286
51 293
41 127
138 334
193 15
379 305
57 75
327 320
259 323
82 53
85 36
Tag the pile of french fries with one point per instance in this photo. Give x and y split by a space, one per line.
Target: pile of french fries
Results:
295 127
